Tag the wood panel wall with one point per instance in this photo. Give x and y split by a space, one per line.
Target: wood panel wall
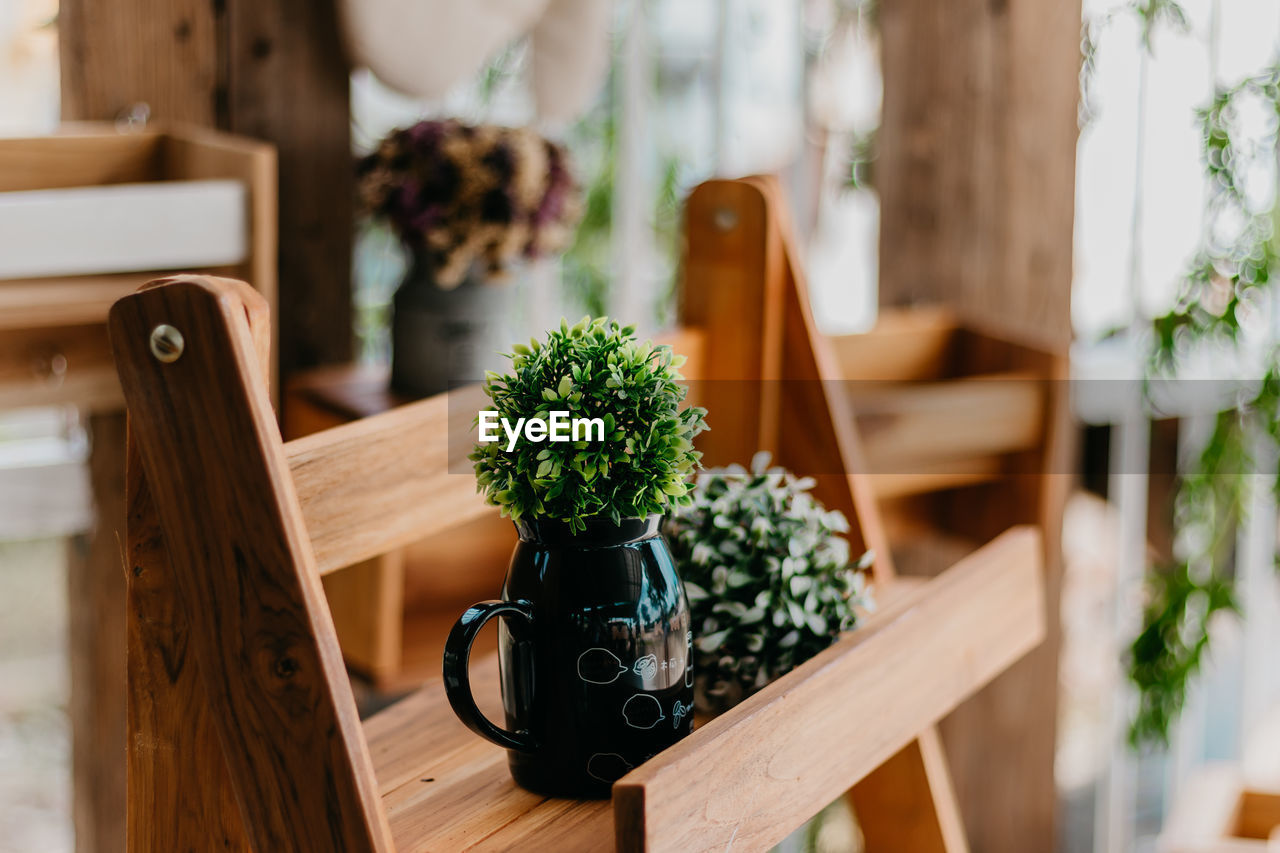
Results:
976 161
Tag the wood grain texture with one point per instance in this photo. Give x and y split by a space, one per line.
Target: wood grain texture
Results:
817 435
382 482
63 301
446 789
77 158
259 626
871 694
287 82
731 289
976 161
986 427
96 594
173 738
58 364
390 479
907 803
160 52
272 71
367 604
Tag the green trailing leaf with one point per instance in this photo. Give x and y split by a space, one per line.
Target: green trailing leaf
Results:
641 467
768 579
1230 273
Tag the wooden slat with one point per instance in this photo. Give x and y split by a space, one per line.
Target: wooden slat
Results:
77 159
906 345
932 475
58 365
903 425
95 598
907 803
445 789
816 433
259 626
391 479
732 290
366 602
383 482
783 754
1259 814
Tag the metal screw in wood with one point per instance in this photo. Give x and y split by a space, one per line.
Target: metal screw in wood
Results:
166 343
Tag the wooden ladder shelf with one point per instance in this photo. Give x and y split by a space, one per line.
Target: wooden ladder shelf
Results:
243 730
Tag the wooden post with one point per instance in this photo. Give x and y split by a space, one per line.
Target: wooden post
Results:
976 161
976 176
95 593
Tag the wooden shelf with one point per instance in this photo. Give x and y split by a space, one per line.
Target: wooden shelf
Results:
1217 812
929 645
940 406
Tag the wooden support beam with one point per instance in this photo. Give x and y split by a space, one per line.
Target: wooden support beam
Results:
976 161
95 591
288 83
975 174
907 803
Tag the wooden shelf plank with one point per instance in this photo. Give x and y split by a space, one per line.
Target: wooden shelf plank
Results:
905 425
470 801
806 738
395 476
815 732
382 482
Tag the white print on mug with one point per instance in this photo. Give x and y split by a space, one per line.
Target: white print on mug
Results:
646 667
599 666
679 711
643 711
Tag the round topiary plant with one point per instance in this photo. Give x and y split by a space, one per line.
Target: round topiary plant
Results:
595 369
768 579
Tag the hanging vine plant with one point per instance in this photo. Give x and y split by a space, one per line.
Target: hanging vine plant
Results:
1221 293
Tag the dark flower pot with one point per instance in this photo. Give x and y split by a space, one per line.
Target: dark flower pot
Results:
595 652
439 336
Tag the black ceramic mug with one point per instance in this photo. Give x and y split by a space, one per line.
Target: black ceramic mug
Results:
595 649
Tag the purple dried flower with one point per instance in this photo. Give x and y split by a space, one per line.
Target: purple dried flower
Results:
469 194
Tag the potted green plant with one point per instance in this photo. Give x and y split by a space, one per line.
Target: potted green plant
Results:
472 204
769 578
596 647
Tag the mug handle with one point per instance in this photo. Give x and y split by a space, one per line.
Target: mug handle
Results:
457 677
